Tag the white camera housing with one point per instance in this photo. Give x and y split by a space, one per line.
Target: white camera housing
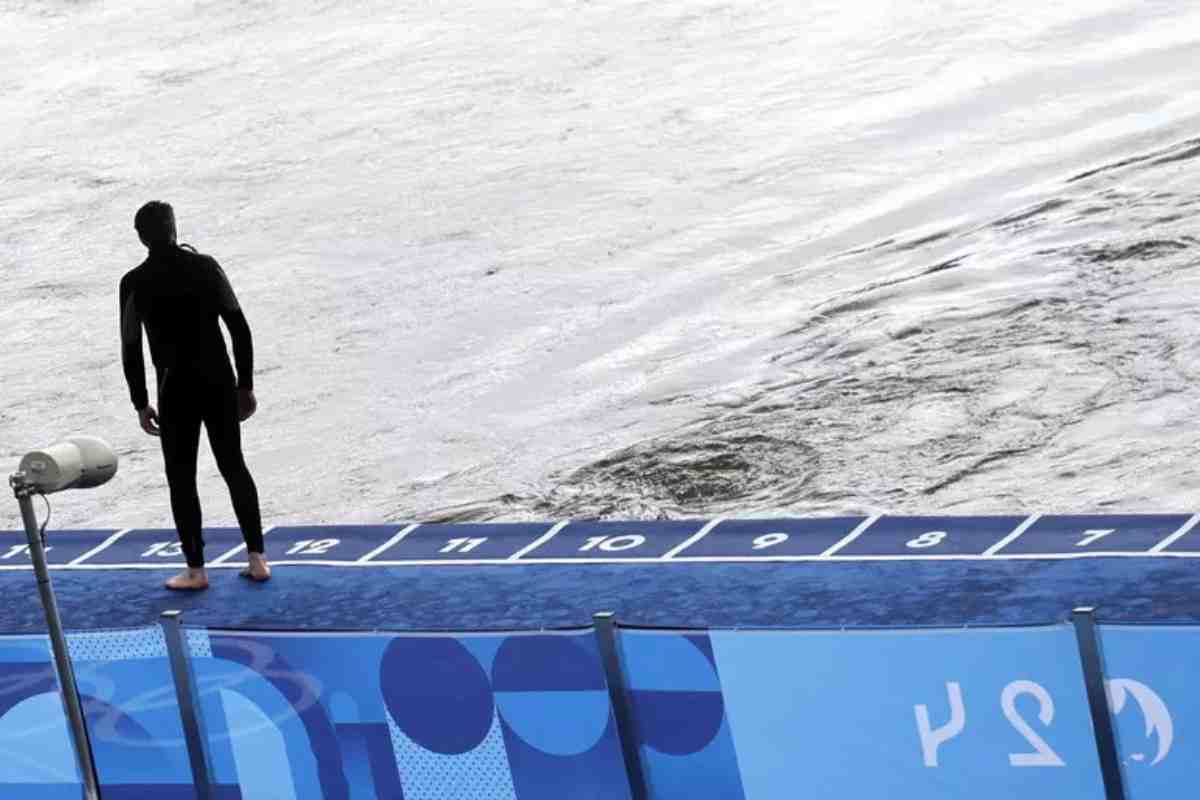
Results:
79 462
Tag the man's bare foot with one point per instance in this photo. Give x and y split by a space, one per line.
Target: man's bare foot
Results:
190 580
259 570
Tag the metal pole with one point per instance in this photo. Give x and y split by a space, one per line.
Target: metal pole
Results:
605 624
189 702
58 641
1090 655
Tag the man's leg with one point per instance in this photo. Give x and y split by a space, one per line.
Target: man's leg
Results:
179 426
225 438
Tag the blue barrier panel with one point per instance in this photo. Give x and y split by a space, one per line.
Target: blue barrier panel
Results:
1151 676
367 715
984 713
36 759
129 704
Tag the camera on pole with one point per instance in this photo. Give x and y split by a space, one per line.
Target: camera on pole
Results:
79 462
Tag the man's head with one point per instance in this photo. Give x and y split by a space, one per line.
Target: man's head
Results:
155 223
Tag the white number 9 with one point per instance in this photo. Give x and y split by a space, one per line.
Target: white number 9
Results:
769 540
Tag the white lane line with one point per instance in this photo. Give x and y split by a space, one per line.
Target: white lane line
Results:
102 546
1177 535
691 540
405 531
225 557
541 540
1012 537
851 536
480 562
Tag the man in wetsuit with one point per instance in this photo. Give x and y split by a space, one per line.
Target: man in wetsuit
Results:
178 295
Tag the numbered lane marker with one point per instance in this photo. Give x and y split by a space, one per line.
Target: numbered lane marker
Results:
614 544
164 550
928 539
618 541
328 545
771 539
1094 536
18 550
312 547
462 545
768 540
149 548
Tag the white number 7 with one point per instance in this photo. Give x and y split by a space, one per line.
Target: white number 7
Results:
17 550
1093 535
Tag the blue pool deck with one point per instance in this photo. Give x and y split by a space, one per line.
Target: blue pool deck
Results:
836 571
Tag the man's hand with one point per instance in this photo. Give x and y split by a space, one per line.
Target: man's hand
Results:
149 419
247 404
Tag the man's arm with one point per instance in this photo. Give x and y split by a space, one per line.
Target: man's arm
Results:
243 345
131 346
239 330
131 358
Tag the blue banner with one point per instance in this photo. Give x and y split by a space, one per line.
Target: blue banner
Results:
36 759
130 707
984 713
340 716
987 713
1151 672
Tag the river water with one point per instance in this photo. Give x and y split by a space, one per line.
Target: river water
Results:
624 259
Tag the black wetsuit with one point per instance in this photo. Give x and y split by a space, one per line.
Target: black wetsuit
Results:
178 295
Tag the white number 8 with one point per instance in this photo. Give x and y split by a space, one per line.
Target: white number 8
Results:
930 539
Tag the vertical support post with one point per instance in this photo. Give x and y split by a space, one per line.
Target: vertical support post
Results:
189 702
606 635
1084 619
58 643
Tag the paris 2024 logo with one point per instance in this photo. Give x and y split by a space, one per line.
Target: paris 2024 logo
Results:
1154 711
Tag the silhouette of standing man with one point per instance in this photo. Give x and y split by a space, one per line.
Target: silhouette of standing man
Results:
178 295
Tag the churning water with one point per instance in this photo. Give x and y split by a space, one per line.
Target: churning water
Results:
670 258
